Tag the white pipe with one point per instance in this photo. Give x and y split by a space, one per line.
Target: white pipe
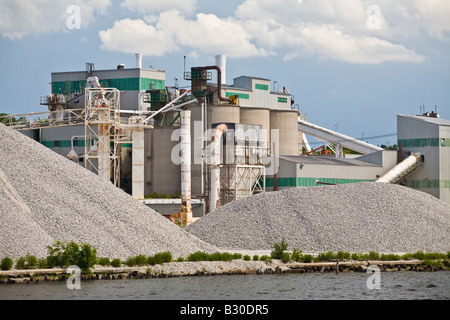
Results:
215 166
221 61
138 157
166 106
202 187
186 206
180 105
141 93
139 60
401 170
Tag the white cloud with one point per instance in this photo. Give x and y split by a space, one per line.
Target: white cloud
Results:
329 42
20 18
206 34
133 36
151 6
330 29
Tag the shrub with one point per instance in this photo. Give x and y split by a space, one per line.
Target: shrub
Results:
286 257
341 255
141 260
31 262
198 256
116 263
264 258
247 257
279 249
255 257
160 257
237 256
355 256
180 259
307 258
6 263
66 254
104 261
216 256
296 255
42 263
20 263
389 257
226 256
131 261
328 256
373 255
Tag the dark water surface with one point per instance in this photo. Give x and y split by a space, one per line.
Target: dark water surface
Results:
393 286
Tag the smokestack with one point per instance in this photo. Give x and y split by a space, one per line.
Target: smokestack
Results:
139 60
221 62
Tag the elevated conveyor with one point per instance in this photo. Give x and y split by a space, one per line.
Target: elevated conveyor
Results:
401 170
338 139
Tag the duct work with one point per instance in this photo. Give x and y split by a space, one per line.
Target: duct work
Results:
200 76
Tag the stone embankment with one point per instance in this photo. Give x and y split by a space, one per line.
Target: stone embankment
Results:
211 268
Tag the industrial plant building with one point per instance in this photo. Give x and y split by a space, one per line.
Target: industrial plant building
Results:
192 150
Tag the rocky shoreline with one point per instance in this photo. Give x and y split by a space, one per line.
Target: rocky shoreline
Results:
210 268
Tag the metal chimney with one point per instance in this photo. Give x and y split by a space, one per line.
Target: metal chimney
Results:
221 62
139 60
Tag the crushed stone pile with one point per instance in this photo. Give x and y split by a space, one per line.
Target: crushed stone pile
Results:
45 197
358 217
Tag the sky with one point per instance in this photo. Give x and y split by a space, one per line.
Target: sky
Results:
352 65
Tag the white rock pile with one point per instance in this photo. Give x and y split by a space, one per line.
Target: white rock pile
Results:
45 197
359 217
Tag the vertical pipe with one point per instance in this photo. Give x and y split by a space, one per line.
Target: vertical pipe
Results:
202 187
138 158
103 146
214 196
186 205
139 60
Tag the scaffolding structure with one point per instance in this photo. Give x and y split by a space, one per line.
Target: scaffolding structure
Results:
103 133
240 181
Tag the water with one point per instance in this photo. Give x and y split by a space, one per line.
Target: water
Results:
314 286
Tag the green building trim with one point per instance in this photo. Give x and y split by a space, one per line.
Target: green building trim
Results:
309 182
122 84
428 184
260 86
240 95
424 142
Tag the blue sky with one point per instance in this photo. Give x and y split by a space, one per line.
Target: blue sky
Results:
346 71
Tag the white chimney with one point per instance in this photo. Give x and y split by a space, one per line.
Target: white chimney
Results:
221 62
139 60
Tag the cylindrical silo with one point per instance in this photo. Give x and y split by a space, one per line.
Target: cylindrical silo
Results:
285 121
223 114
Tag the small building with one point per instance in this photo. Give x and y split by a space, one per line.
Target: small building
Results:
308 171
428 136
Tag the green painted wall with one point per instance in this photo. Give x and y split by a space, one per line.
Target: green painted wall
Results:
240 95
125 84
261 86
308 182
428 184
427 142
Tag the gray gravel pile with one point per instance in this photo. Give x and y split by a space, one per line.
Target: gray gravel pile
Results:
45 197
357 217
